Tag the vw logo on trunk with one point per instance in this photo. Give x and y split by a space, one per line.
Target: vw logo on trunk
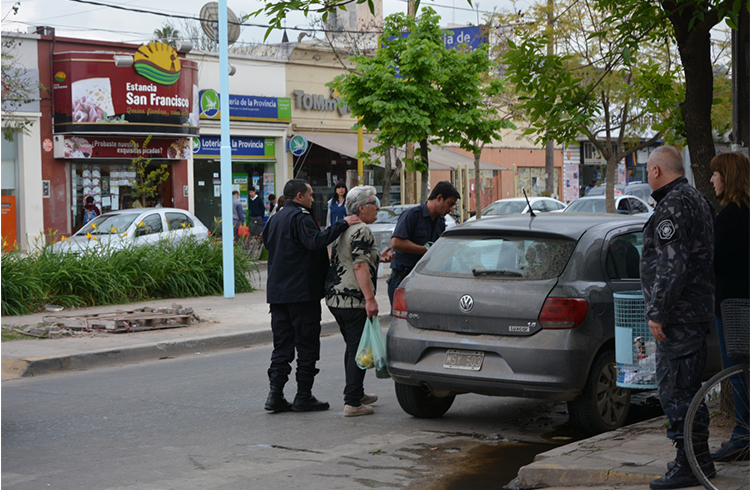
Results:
466 303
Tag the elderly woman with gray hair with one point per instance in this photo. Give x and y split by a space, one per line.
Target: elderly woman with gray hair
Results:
350 291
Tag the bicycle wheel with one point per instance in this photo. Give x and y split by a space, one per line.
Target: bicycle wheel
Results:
729 475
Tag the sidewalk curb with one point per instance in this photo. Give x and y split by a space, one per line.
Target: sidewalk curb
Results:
37 366
603 460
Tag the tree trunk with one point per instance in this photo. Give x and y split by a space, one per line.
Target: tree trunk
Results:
424 151
387 176
611 173
695 52
477 185
549 169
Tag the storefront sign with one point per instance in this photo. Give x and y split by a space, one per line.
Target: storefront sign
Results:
74 147
246 107
317 102
298 145
242 148
157 95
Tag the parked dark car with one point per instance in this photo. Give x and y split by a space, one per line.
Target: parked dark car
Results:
518 306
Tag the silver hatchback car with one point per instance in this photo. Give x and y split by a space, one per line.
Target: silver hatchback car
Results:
518 306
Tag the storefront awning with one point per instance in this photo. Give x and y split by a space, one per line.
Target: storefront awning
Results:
440 158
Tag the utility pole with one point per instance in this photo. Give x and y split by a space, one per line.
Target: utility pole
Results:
549 150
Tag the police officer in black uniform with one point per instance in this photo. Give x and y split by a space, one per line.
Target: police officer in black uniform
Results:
677 277
297 268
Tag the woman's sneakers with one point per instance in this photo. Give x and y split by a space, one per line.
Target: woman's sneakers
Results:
369 399
350 411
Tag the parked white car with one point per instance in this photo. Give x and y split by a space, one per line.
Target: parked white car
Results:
139 226
518 205
624 204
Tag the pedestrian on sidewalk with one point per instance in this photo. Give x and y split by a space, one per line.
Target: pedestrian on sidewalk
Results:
350 291
238 214
256 210
677 277
297 268
337 205
731 180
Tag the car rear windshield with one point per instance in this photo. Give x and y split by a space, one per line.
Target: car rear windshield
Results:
516 258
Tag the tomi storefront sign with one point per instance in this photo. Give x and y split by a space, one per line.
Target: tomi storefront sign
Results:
157 95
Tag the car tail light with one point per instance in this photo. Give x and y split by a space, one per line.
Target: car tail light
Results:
563 312
399 304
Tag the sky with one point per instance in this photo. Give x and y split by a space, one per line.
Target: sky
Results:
74 19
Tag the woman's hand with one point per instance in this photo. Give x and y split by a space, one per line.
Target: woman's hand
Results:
371 307
387 254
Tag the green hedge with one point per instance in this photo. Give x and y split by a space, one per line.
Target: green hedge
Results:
101 277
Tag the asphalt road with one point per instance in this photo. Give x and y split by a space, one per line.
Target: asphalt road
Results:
198 423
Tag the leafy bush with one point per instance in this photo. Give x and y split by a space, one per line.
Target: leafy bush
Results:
99 276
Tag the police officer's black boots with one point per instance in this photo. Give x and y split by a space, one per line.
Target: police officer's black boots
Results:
276 402
679 474
306 402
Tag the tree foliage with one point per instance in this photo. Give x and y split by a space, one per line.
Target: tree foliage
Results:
19 88
167 34
147 178
414 89
689 24
619 100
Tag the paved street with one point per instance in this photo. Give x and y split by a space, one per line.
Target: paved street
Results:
197 422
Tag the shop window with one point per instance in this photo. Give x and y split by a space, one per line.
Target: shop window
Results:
178 221
151 224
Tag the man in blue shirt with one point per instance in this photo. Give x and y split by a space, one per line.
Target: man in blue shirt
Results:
417 229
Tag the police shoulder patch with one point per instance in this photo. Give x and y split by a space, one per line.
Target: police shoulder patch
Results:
305 211
665 229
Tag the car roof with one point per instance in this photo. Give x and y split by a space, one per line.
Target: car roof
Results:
141 210
571 225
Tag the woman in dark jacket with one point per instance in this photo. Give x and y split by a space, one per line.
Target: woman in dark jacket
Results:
731 180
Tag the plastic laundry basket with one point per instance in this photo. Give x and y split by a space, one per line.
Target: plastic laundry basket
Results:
635 348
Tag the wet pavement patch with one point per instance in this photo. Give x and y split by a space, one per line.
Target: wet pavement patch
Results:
462 464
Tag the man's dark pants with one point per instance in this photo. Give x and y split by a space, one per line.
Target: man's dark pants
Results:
351 323
295 326
394 281
680 361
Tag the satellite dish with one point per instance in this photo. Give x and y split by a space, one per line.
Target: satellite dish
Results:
210 20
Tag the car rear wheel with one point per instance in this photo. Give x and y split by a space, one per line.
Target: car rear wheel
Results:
603 406
421 403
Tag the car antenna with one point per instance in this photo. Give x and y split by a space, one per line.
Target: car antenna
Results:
531 211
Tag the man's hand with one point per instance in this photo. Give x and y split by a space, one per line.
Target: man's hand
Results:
657 331
371 307
387 254
352 219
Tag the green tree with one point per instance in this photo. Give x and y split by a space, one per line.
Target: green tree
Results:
415 90
19 88
610 97
148 179
689 24
167 34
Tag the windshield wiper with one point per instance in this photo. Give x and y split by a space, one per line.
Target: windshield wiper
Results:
496 272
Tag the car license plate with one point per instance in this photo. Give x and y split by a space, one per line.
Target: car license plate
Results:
464 359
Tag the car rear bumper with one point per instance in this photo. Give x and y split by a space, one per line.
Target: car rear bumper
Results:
549 365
